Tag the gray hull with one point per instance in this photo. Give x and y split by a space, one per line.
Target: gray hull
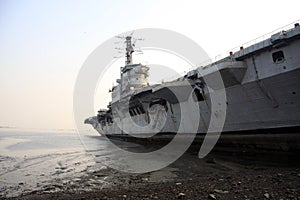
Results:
274 105
249 107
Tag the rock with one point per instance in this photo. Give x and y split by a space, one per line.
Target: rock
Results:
178 183
34 192
180 195
103 168
69 170
212 196
221 191
76 179
124 196
279 174
21 183
266 195
48 188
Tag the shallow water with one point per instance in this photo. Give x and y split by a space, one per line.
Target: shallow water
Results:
32 161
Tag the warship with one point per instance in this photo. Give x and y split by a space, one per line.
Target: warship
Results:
261 81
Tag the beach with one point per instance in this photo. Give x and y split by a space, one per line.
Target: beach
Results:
56 165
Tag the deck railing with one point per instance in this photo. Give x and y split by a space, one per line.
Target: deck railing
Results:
238 48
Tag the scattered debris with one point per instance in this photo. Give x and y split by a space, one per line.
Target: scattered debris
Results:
180 195
266 195
212 196
221 191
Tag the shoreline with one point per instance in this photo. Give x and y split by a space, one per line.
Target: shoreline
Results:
214 177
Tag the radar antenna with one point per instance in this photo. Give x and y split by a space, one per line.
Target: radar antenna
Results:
130 47
129 50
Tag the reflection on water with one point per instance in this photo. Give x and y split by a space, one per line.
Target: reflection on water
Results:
31 161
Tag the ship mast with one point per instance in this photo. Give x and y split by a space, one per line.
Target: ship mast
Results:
129 51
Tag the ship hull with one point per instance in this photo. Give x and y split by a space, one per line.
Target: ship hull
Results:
269 103
265 104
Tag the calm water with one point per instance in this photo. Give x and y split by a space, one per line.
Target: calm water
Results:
31 160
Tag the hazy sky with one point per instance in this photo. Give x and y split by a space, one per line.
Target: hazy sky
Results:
44 43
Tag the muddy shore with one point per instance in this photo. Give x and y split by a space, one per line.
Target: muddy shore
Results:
215 177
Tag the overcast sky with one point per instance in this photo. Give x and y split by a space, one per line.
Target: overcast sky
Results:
44 43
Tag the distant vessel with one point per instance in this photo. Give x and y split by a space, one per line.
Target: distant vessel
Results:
261 81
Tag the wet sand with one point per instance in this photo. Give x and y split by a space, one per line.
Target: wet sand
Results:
75 174
188 178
